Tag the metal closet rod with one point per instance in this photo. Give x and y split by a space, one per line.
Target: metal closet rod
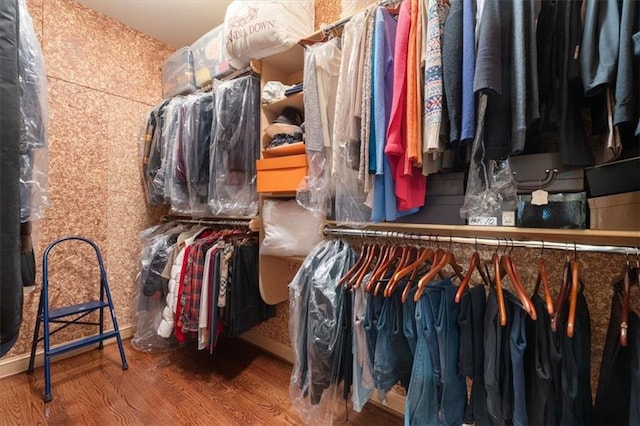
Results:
208 221
485 241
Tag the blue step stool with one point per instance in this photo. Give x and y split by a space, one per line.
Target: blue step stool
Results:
72 314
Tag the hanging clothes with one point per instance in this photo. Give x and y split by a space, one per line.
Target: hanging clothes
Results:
411 185
235 148
315 317
384 197
11 285
614 398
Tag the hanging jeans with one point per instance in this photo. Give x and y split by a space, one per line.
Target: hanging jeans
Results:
539 367
634 394
392 362
614 387
440 329
421 404
471 358
577 406
518 340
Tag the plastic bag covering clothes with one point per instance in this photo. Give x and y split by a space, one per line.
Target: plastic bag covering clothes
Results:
315 332
350 208
34 152
199 125
175 160
161 164
289 229
157 243
490 186
151 152
321 67
257 29
235 148
177 174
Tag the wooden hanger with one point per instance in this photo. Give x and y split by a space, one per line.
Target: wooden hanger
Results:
563 293
404 259
392 254
573 298
425 255
356 281
544 280
442 260
412 255
356 266
509 266
626 296
502 310
474 264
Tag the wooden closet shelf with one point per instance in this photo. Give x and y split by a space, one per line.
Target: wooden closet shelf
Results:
295 100
569 236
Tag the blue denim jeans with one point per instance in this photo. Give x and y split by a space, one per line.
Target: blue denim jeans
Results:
438 345
421 404
393 360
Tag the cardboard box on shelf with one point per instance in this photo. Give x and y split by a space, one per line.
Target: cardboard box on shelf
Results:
619 212
281 174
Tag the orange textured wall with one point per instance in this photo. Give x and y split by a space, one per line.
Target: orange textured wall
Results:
102 77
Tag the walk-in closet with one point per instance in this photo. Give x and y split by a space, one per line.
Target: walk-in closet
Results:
309 212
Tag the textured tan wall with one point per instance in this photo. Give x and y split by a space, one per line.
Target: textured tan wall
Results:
102 77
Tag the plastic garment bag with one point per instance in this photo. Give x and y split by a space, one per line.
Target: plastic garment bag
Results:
151 150
490 186
321 70
198 127
350 208
235 147
157 243
314 327
34 152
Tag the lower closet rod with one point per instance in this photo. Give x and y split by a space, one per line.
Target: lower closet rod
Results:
496 241
209 221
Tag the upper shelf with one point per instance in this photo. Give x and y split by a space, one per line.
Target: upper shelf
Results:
578 236
296 100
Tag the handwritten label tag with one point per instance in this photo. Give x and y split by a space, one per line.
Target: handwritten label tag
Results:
540 197
483 221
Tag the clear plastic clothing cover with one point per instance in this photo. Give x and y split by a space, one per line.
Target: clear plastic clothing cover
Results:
490 186
235 147
316 189
350 207
34 152
315 312
157 244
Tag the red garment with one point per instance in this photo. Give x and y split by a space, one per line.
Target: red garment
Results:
177 327
185 281
411 185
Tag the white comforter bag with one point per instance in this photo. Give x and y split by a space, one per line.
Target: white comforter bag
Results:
259 28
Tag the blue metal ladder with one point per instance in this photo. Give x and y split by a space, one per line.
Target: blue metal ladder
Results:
46 316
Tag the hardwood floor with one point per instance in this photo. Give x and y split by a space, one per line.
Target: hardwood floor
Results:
239 385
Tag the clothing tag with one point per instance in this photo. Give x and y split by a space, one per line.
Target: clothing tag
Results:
539 197
508 218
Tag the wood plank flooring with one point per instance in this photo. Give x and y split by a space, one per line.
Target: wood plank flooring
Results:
239 385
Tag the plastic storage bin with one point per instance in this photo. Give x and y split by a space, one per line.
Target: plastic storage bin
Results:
177 74
210 57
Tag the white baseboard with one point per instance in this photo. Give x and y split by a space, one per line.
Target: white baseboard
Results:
394 403
19 364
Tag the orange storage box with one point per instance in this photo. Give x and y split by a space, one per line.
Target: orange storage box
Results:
281 174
